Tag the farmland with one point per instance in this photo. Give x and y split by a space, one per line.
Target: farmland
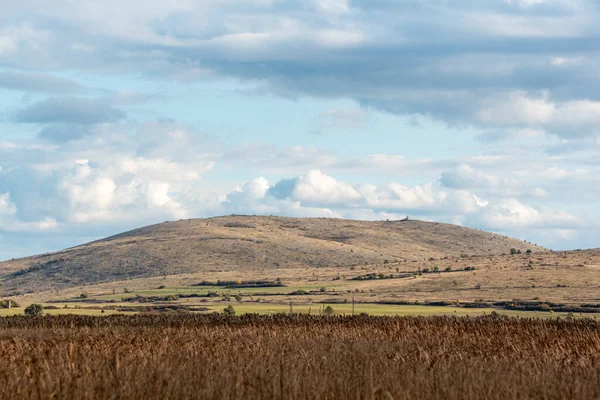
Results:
298 356
269 264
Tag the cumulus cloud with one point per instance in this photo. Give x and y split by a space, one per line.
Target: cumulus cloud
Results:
249 197
316 189
109 179
320 188
511 214
322 195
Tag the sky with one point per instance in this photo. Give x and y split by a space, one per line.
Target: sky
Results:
116 115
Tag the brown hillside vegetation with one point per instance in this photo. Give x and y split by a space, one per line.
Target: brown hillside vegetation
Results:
298 357
247 243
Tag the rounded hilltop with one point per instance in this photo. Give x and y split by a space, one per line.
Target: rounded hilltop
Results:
241 242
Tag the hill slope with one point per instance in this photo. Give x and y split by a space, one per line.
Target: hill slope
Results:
245 243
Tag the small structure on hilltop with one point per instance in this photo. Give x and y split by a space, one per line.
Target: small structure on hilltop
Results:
405 219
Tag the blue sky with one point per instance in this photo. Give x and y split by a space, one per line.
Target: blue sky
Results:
115 115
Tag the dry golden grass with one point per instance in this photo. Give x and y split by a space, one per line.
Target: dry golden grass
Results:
297 357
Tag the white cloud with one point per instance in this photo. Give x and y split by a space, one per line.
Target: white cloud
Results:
318 187
391 201
513 214
249 193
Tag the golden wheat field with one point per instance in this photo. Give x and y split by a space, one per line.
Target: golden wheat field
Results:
297 357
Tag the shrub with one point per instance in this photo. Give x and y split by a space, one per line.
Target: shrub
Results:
299 292
448 269
528 251
328 310
83 296
229 310
34 310
238 297
544 307
514 251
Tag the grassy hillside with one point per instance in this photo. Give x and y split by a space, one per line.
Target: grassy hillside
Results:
249 245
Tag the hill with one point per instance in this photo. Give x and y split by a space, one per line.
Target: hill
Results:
246 244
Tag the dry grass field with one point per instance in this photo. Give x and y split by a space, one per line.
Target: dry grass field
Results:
300 357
